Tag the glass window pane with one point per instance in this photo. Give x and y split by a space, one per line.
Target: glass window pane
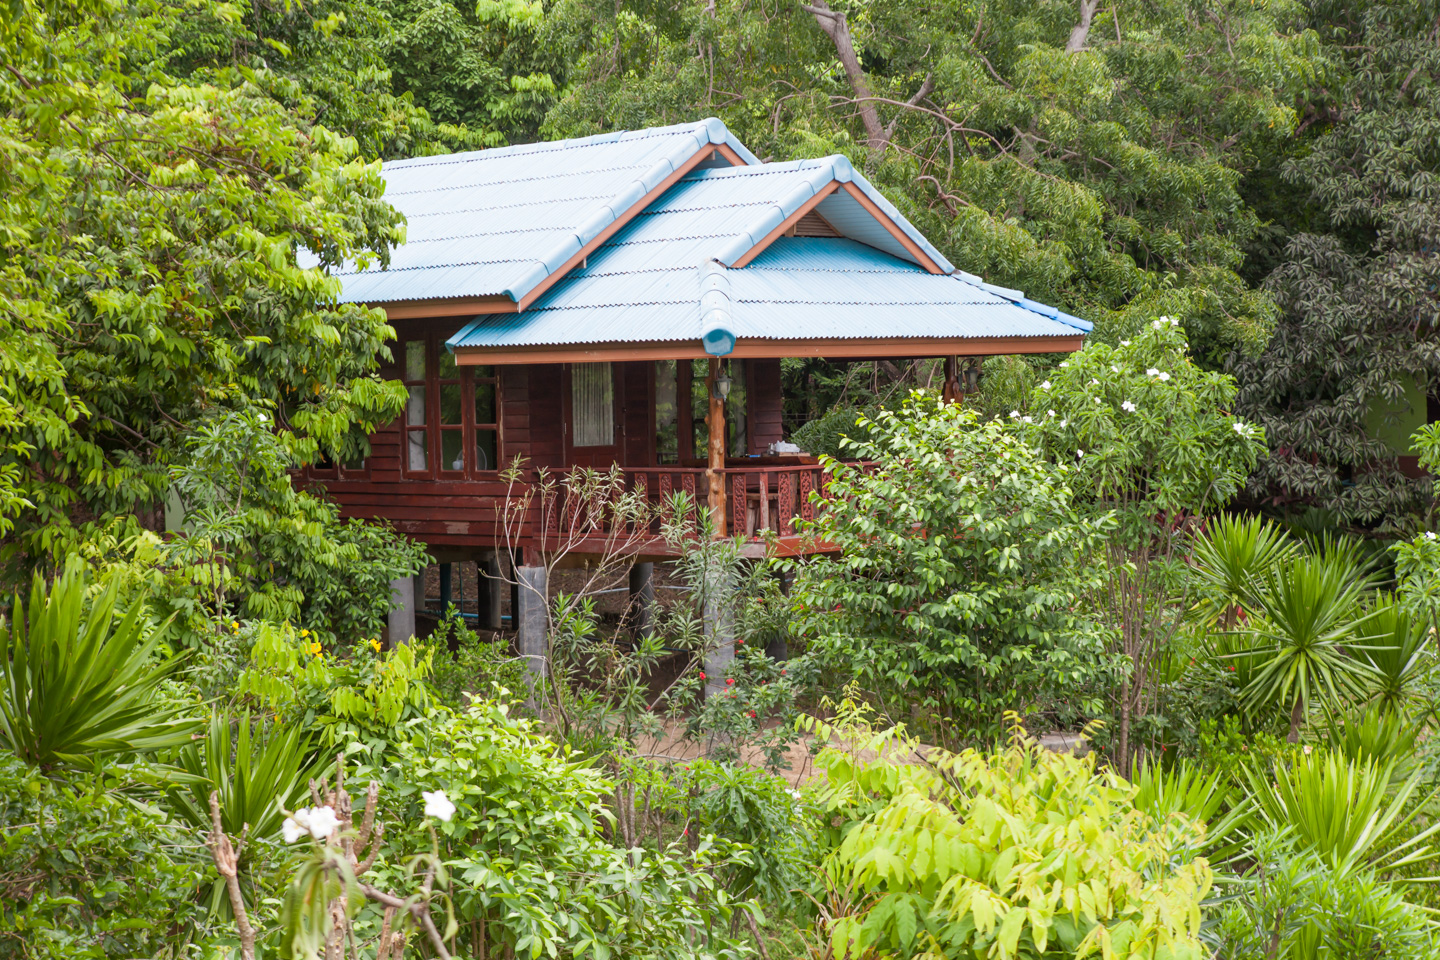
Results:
700 407
486 456
452 449
667 412
448 369
592 392
418 453
484 403
415 360
415 407
450 403
735 409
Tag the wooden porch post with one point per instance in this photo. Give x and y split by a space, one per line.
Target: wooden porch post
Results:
713 470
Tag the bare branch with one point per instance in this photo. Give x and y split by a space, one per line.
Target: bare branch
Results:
227 860
1081 31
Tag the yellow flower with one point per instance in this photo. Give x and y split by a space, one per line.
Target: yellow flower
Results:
315 649
235 625
375 643
304 633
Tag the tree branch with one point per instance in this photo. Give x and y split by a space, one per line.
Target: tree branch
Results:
1081 31
227 862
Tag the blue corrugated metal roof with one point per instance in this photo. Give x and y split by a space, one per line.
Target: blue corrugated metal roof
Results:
655 279
498 222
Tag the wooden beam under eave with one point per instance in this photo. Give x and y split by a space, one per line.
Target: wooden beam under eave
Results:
757 349
448 307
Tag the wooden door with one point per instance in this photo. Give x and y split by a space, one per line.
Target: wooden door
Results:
592 422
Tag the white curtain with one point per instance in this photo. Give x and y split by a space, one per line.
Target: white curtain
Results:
592 403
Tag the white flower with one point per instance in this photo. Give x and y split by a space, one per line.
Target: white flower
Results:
1164 376
1114 369
1174 322
262 418
1051 412
1156 324
796 794
1064 363
323 822
1124 343
1079 453
1014 414
438 805
1153 372
921 391
1128 407
1097 399
1024 419
1064 423
1429 534
1240 428
1094 382
292 828
1045 385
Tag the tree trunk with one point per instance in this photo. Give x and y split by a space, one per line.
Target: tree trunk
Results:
1297 717
1123 754
1081 31
838 30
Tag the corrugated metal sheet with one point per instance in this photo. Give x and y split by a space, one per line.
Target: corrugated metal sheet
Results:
645 286
498 222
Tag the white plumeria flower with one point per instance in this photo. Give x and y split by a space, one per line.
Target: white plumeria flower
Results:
1174 322
796 794
1064 423
1051 412
1079 453
1014 414
1024 419
1064 363
1429 534
1241 428
1128 407
292 828
1094 382
1124 343
1114 369
1156 324
1164 376
1045 385
1153 372
1097 399
323 822
438 805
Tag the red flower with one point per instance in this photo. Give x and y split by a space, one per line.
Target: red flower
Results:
702 674
1232 668
739 643
782 672
730 682
752 713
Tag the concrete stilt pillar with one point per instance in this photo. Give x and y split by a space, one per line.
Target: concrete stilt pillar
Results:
530 617
419 591
779 648
489 595
642 598
400 625
447 595
719 633
516 560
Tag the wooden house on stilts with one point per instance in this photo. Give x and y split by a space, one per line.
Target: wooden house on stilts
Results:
626 299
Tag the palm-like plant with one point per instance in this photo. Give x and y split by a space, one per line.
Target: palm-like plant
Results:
254 781
1376 734
1229 557
1204 797
1349 811
1309 611
76 684
1398 650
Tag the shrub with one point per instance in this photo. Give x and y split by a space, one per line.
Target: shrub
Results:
962 566
1018 853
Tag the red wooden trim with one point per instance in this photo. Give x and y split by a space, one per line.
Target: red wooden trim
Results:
756 348
788 223
894 230
446 307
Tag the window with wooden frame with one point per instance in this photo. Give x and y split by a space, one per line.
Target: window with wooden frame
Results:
451 421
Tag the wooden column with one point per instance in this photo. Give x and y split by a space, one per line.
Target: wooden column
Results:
716 465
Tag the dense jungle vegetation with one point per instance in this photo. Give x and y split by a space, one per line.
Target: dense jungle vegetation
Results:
1192 540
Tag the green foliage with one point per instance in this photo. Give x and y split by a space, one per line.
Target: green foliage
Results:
257 777
770 819
1348 811
962 560
475 668
1186 790
1229 557
1399 651
88 870
1355 351
826 434
1293 904
1380 734
1307 611
149 240
527 853
1017 853
254 542
78 684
